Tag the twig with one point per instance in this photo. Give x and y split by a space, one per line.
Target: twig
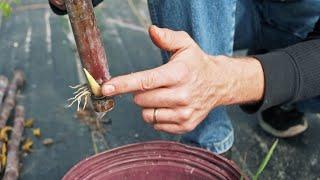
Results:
12 169
3 87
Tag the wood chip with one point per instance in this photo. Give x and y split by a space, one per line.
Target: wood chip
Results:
47 141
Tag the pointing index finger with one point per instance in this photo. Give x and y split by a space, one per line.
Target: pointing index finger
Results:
140 81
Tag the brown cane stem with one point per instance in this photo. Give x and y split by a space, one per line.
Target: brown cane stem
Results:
90 46
87 37
12 168
3 88
9 102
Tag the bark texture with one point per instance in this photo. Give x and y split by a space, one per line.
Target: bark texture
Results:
12 168
3 88
10 101
88 40
90 47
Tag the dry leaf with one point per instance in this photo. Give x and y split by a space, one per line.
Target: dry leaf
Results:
47 141
27 145
36 132
4 154
28 123
4 133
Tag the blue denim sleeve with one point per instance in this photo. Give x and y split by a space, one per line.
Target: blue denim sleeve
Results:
291 74
63 12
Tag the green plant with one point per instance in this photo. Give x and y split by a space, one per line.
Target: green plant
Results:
265 161
6 6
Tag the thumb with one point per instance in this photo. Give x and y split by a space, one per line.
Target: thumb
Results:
170 40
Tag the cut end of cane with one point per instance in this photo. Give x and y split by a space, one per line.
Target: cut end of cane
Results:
19 76
94 86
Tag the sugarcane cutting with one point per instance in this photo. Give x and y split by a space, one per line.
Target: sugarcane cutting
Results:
92 55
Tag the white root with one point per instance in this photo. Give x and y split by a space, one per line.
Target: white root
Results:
80 89
76 86
82 93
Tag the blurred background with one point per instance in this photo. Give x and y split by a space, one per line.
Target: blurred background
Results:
42 44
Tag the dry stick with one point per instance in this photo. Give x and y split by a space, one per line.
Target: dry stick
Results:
3 88
90 47
12 169
9 101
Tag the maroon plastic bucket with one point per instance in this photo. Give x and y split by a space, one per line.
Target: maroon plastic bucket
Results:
155 160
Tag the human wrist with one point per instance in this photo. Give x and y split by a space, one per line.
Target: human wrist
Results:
245 79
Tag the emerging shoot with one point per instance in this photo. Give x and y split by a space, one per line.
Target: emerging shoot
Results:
93 90
94 86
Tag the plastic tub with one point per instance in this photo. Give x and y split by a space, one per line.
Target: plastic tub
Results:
155 160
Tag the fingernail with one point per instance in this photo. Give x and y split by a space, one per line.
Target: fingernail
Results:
108 89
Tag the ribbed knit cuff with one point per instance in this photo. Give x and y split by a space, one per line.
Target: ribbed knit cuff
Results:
63 12
306 56
291 74
280 80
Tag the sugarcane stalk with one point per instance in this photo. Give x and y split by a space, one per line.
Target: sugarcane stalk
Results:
87 37
8 105
3 88
12 168
9 101
90 49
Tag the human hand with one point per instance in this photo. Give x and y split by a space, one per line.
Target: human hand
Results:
177 96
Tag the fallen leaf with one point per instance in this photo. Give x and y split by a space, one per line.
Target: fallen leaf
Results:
4 155
4 133
28 123
36 132
27 145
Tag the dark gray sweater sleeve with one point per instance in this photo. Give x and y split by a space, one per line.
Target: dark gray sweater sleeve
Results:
61 12
291 74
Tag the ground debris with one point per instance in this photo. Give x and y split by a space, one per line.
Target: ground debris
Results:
36 132
29 123
4 133
3 155
27 145
89 118
47 141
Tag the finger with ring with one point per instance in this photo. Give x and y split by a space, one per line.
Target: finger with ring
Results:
160 116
